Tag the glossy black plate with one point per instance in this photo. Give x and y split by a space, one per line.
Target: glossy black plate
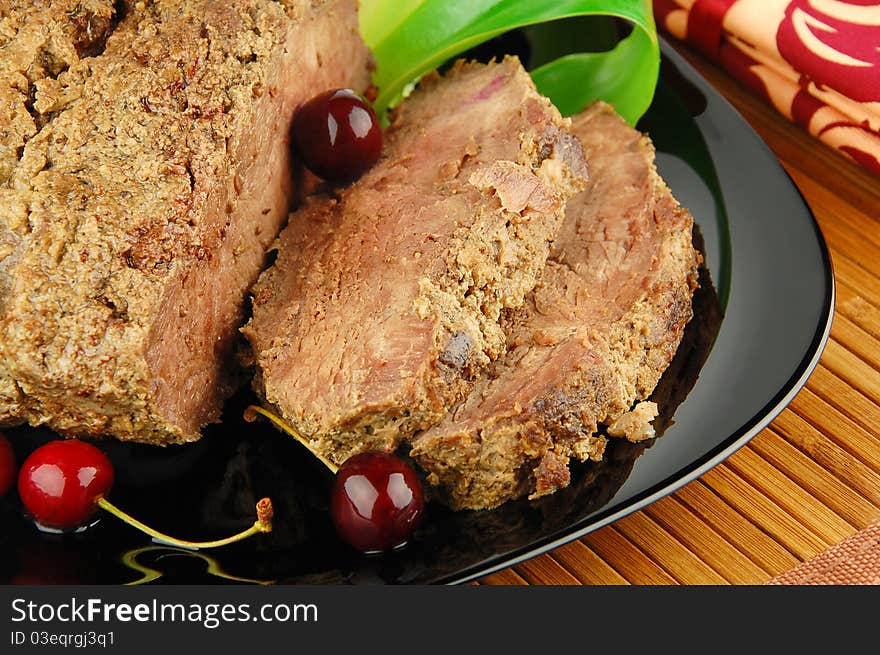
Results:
762 317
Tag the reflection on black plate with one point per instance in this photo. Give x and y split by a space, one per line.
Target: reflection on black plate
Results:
729 378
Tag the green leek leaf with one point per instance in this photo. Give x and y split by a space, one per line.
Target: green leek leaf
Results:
411 37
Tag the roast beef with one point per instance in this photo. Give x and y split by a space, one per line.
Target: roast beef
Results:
590 342
144 172
384 303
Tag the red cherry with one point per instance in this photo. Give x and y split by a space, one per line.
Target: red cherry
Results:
61 482
337 135
7 465
376 502
64 483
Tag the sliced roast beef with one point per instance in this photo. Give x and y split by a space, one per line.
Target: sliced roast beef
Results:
384 303
590 342
143 175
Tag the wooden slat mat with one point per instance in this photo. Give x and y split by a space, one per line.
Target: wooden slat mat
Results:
808 482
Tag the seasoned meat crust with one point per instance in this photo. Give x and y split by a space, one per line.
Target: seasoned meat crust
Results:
592 340
144 172
383 306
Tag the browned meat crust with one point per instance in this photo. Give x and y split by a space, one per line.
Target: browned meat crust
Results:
593 338
143 174
384 303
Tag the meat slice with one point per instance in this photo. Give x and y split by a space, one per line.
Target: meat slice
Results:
384 302
143 176
602 324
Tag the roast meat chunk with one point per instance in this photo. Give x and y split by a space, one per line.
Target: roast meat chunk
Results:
589 344
144 172
383 306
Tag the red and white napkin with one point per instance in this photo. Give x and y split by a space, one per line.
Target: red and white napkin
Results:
816 61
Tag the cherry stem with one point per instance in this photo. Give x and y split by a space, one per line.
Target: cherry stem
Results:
249 416
262 524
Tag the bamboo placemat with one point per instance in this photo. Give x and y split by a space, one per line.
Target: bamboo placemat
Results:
809 481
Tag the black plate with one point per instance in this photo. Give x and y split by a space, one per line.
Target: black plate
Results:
767 273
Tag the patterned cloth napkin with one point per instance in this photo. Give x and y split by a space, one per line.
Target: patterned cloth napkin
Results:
854 561
816 61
